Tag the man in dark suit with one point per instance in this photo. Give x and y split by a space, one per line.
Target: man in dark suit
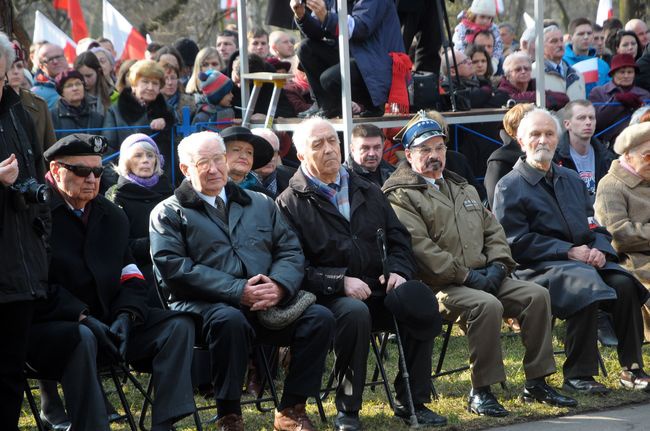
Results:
96 311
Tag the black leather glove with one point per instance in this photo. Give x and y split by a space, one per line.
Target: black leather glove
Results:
106 340
496 273
478 281
121 328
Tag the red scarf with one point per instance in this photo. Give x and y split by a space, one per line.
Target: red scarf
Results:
472 29
399 87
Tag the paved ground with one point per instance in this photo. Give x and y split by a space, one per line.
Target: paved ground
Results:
635 418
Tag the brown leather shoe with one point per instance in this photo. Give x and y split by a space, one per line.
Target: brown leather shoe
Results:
231 422
293 419
636 379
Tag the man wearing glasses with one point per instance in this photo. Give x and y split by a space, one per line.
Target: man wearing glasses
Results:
52 62
463 255
96 310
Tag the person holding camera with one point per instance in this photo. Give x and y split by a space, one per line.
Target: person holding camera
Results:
23 256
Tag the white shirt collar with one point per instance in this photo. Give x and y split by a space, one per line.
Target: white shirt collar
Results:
212 199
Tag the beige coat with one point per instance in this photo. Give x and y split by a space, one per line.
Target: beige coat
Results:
449 237
623 207
37 108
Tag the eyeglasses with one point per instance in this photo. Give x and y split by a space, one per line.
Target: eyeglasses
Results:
55 58
466 61
522 69
73 84
425 151
83 171
205 163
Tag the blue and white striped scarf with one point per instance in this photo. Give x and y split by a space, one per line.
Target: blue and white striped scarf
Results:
337 193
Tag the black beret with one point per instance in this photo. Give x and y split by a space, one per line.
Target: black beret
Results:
77 144
415 308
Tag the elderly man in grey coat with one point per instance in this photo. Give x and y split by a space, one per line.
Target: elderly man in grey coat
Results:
548 219
226 253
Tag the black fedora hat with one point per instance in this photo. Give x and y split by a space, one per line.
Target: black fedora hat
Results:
262 149
415 308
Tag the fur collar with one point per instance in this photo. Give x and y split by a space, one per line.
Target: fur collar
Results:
132 111
188 197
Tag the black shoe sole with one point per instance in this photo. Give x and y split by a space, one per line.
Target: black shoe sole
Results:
593 391
530 400
499 415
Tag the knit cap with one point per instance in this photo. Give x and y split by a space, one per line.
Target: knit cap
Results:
214 85
66 75
483 7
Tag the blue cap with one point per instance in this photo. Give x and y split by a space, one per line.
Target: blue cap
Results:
419 132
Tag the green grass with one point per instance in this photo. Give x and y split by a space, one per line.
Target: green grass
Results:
453 390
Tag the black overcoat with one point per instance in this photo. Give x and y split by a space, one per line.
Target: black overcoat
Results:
542 225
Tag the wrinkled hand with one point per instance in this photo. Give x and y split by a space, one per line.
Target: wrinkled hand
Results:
106 340
355 288
629 100
596 258
121 327
478 281
157 124
394 280
298 8
261 293
581 253
8 171
496 273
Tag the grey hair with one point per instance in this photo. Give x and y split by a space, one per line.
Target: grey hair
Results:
187 145
507 25
269 135
551 28
122 165
7 50
519 55
301 135
527 118
638 113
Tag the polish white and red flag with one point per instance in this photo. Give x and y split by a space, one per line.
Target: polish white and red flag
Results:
230 9
589 69
72 8
499 6
605 11
127 41
44 29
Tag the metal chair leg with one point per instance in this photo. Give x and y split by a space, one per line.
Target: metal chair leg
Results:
33 407
382 371
125 403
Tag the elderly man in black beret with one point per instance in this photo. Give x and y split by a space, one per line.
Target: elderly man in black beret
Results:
336 214
96 311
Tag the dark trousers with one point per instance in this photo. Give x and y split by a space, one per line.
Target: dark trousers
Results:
165 348
582 332
354 321
426 24
15 320
320 61
231 333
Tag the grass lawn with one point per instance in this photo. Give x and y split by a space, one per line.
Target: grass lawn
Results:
453 390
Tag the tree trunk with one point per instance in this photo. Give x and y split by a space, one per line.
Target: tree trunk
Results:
518 17
565 15
627 8
6 17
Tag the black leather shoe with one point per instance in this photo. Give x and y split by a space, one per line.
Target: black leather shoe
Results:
61 426
329 113
424 416
347 421
585 386
606 334
372 111
310 112
484 403
543 393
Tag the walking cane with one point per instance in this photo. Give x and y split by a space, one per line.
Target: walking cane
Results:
381 244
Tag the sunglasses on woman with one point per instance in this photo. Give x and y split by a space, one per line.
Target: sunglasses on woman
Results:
83 171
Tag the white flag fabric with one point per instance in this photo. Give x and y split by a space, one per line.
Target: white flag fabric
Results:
605 11
44 29
529 20
127 41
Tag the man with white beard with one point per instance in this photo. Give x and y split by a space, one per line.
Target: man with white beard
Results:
548 219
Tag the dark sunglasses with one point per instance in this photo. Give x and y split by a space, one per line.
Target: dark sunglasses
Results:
83 171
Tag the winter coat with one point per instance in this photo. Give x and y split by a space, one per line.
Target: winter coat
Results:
603 156
499 164
623 207
376 34
542 227
378 177
178 102
642 78
65 117
37 108
460 39
23 233
572 83
603 68
45 88
449 236
607 115
335 247
555 100
199 258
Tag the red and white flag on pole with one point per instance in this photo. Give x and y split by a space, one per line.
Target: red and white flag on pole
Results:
499 6
72 8
44 29
605 11
589 69
230 7
128 42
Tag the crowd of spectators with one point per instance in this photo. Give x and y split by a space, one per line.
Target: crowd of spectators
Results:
228 223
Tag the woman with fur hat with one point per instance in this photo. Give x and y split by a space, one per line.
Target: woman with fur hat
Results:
73 111
479 16
618 99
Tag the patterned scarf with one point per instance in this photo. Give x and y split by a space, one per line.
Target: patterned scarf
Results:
337 193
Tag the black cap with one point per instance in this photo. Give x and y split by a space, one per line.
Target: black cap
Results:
262 149
77 144
416 309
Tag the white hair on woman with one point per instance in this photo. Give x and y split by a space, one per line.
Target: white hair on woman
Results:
187 145
512 58
122 167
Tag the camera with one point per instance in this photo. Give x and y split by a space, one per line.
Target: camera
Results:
28 192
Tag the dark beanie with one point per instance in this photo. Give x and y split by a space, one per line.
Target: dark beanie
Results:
64 76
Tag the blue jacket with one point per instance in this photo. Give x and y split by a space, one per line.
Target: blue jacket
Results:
376 33
603 68
47 90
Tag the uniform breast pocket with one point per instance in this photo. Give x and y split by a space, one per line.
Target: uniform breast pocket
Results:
261 234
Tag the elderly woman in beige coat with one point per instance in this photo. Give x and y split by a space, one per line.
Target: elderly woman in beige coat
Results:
623 204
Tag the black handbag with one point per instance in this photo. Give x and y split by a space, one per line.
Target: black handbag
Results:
425 93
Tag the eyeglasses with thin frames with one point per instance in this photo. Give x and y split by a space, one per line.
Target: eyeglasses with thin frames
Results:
205 163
